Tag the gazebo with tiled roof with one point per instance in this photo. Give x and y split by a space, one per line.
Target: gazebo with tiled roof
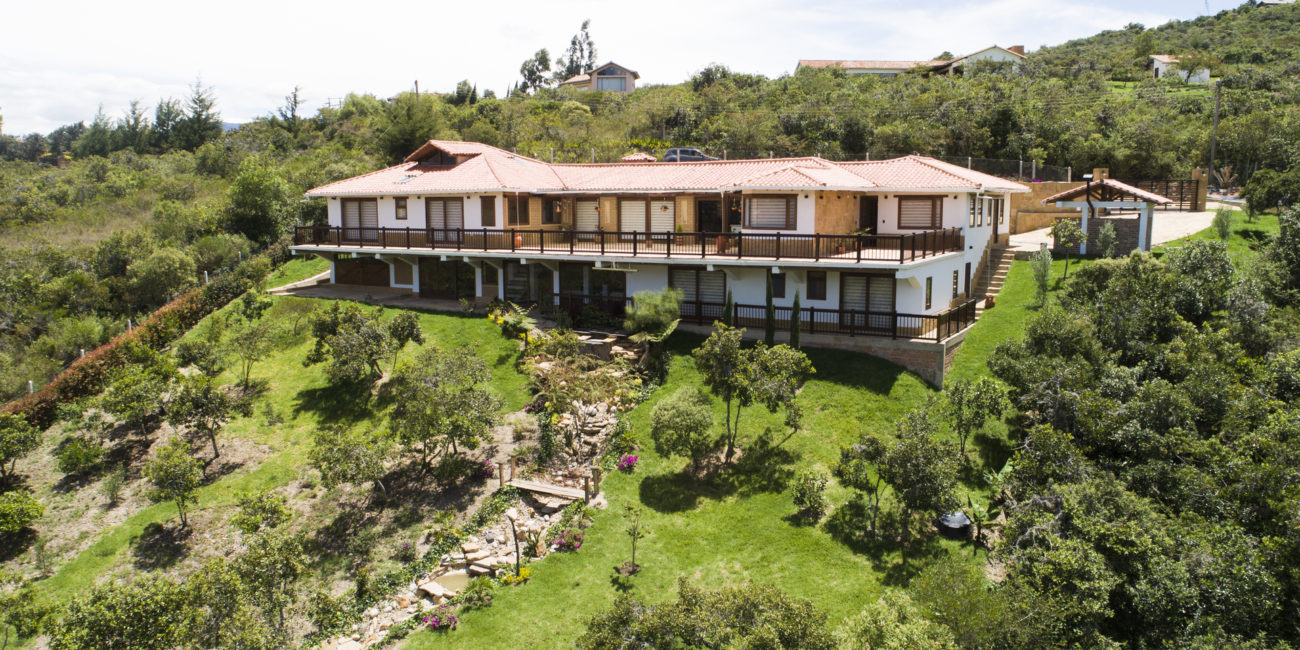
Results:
1108 193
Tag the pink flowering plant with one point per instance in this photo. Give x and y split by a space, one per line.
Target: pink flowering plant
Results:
489 468
441 619
627 464
569 539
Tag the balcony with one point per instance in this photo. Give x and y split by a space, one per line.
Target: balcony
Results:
898 249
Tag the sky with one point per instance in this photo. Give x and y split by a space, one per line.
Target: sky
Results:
61 60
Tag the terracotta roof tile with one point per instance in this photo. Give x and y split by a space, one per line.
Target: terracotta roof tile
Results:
489 169
1123 188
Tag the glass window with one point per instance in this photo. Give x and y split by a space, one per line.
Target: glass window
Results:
616 84
778 284
551 211
772 212
954 285
816 285
400 208
489 210
929 291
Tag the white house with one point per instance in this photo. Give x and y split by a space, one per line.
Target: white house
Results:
882 248
1164 65
610 77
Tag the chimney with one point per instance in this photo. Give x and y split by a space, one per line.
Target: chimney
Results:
1018 49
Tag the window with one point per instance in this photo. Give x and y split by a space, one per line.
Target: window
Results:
551 211
979 207
489 210
972 210
929 291
954 285
489 274
771 212
438 157
778 284
920 212
616 84
400 207
517 210
444 214
816 285
1001 210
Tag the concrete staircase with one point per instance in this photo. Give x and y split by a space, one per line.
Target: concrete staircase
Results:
994 275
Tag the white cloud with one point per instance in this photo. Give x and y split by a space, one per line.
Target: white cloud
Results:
78 55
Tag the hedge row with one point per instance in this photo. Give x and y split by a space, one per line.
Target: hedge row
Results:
89 374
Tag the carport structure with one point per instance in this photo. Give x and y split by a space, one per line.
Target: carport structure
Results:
1110 194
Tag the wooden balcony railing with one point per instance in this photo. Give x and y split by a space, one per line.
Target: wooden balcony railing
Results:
812 320
774 246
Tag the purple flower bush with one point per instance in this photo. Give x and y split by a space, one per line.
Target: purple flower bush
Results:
441 619
627 464
569 539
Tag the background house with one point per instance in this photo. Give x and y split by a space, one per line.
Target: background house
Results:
1164 65
889 68
610 77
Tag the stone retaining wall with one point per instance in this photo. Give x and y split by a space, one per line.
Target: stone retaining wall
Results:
1126 234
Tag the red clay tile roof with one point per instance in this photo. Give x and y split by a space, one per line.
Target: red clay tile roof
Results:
489 169
639 156
1123 188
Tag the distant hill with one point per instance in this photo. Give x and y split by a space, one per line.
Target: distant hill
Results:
1249 47
230 126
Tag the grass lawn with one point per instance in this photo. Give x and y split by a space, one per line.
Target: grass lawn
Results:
305 400
729 530
1246 239
298 268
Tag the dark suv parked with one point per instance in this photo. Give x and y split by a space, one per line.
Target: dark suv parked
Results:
685 154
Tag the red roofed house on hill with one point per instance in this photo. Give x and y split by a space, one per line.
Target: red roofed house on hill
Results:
884 248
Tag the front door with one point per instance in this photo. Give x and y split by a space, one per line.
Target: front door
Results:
868 214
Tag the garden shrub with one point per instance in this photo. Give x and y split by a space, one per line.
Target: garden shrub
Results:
477 594
79 455
18 509
809 492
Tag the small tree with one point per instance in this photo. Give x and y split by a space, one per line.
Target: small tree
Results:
1067 235
18 509
725 367
809 493
796 314
134 396
444 402
357 348
1222 224
270 567
769 316
680 426
729 311
165 273
203 407
1042 266
403 329
855 471
635 531
174 475
1106 239
344 455
250 343
919 467
969 404
17 439
260 512
253 304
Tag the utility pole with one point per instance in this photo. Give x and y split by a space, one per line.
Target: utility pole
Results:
1214 134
